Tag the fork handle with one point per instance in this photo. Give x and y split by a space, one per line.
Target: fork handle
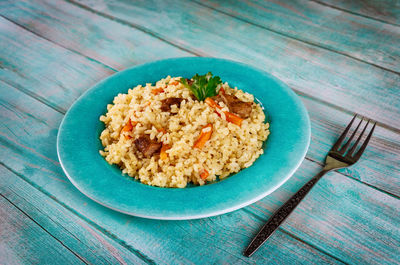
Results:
279 216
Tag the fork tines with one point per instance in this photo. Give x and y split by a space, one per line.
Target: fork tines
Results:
345 147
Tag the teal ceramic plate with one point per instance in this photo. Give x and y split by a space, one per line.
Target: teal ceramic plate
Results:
78 144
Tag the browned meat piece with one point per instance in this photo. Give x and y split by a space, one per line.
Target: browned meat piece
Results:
240 108
168 102
147 146
235 105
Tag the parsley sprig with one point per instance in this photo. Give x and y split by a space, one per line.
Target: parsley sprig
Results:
203 86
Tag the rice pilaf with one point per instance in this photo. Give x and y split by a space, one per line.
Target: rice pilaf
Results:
141 117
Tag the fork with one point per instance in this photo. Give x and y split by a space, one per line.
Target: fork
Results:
336 158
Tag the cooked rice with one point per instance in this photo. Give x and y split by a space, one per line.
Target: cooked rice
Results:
230 148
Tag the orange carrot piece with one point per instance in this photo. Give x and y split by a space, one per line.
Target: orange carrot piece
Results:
157 91
174 83
128 128
230 117
163 152
212 103
204 174
222 90
233 118
205 135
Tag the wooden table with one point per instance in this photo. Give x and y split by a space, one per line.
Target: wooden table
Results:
340 57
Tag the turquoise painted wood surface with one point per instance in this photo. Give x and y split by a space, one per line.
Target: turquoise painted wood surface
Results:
21 238
385 10
308 69
25 67
77 236
52 51
318 25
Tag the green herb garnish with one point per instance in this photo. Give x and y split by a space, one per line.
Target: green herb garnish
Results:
203 86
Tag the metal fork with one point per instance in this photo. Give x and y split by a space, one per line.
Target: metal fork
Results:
336 158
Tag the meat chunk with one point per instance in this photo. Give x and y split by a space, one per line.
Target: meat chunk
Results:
147 146
235 105
240 108
168 102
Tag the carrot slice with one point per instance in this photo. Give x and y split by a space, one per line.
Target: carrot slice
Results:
212 103
157 91
128 128
205 135
230 117
163 152
204 174
233 118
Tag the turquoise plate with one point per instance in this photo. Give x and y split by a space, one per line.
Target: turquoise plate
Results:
78 144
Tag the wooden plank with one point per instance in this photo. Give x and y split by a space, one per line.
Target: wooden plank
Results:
45 76
74 233
327 76
326 125
380 164
104 40
354 86
384 10
323 26
357 223
22 241
30 147
45 183
214 236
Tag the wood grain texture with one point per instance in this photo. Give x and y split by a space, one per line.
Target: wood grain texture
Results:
342 219
330 77
77 235
358 222
234 229
345 86
31 154
101 39
22 241
327 123
384 10
34 65
368 40
380 164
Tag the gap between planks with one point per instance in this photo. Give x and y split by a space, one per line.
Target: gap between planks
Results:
358 180
145 30
294 38
44 229
123 243
115 70
354 13
95 225
85 219
63 111
138 27
57 44
292 236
